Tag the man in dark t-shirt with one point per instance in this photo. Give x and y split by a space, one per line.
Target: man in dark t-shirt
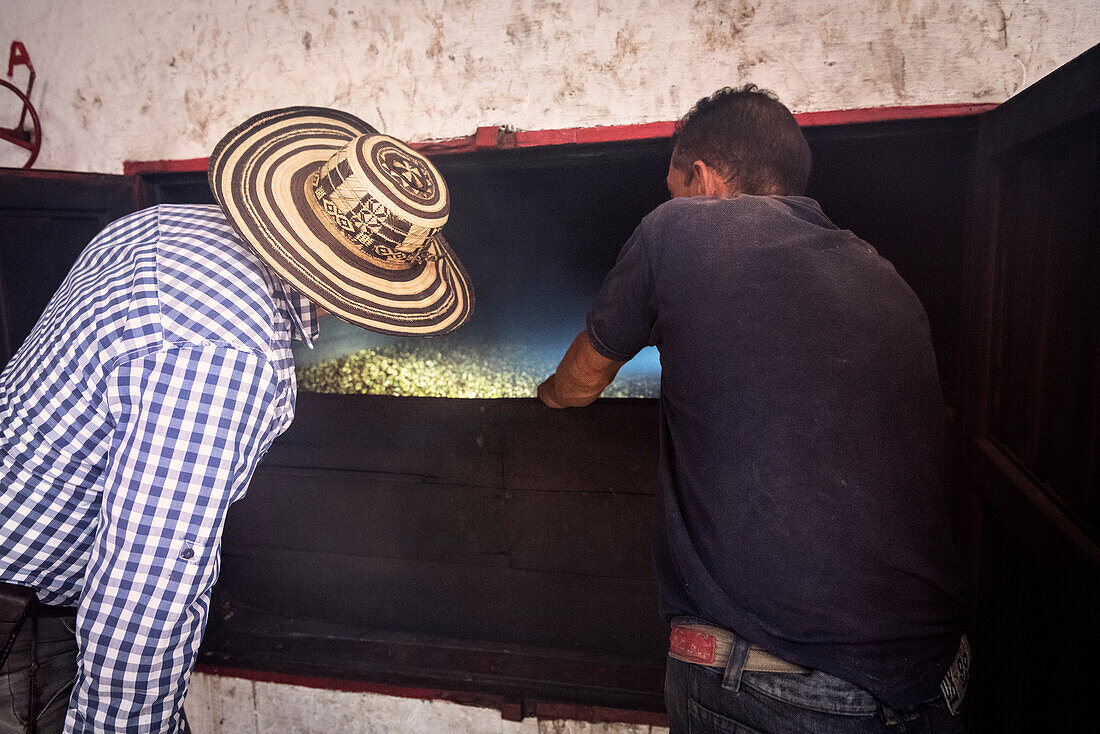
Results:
802 545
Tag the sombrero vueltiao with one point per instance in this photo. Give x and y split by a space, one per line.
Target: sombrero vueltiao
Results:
349 217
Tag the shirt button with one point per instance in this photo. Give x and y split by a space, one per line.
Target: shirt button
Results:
187 554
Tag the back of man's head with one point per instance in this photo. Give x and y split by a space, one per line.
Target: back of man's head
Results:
749 137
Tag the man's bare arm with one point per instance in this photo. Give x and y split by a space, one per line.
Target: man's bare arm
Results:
580 378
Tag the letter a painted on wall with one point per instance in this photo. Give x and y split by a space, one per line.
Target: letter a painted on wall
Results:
22 135
19 57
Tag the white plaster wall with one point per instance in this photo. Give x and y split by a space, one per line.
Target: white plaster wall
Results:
222 705
164 79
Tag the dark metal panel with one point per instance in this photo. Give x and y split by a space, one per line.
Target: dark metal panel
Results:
46 219
1029 347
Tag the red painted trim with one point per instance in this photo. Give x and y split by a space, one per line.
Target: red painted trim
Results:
608 134
467 144
510 709
486 137
884 114
189 165
495 138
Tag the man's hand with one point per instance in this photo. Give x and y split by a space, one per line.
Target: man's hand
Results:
546 393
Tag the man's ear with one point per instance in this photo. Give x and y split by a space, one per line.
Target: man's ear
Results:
707 181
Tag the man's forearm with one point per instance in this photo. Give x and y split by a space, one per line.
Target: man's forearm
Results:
580 378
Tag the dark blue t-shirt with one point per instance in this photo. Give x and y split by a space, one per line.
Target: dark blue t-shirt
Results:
801 500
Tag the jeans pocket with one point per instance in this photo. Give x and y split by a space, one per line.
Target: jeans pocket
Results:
702 720
816 691
16 700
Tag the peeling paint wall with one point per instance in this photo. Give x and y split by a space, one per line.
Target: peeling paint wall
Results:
134 80
220 705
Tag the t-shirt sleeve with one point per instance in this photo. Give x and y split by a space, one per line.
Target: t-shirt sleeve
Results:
621 318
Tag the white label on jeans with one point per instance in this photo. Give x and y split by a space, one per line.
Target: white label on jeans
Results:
954 683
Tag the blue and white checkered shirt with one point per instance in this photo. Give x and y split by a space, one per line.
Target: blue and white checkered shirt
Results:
130 419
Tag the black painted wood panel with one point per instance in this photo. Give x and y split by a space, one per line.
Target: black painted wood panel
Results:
602 534
1047 325
536 545
46 219
1030 349
610 446
367 515
467 671
428 438
448 600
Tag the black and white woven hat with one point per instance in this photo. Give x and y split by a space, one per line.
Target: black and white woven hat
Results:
349 217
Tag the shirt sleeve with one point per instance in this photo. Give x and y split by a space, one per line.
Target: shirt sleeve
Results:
621 318
190 425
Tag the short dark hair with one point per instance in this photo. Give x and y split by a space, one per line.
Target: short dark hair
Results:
748 136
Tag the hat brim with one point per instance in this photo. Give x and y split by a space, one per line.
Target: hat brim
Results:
259 174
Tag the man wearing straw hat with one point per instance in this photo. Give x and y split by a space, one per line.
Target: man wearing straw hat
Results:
158 375
801 545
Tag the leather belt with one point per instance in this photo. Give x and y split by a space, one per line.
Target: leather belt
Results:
703 644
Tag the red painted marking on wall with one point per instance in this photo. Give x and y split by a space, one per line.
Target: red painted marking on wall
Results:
18 56
491 138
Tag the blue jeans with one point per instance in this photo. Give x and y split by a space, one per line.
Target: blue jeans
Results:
703 700
56 654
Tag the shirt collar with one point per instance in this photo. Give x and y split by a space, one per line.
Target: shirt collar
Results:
302 312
